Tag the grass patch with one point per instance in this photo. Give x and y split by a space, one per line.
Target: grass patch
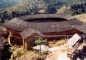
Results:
57 42
21 54
81 17
17 52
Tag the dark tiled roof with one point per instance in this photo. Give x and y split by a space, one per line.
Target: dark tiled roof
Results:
75 22
82 28
42 25
65 16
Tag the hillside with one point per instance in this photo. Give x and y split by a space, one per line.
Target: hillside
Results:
71 2
53 3
6 3
23 7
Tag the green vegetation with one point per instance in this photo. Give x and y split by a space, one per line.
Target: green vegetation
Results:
26 7
22 8
6 3
6 53
57 42
16 52
21 54
65 10
41 41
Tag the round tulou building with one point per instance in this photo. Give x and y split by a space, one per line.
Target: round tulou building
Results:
25 29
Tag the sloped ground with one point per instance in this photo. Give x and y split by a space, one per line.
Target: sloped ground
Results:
58 53
21 54
30 55
81 17
57 43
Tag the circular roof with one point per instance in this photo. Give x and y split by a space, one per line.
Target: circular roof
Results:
24 22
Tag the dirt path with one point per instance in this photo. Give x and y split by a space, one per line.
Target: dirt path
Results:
58 53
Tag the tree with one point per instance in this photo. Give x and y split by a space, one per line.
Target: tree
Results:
51 10
40 41
13 14
4 16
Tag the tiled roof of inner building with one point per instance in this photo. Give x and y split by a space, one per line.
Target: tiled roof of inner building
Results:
30 31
